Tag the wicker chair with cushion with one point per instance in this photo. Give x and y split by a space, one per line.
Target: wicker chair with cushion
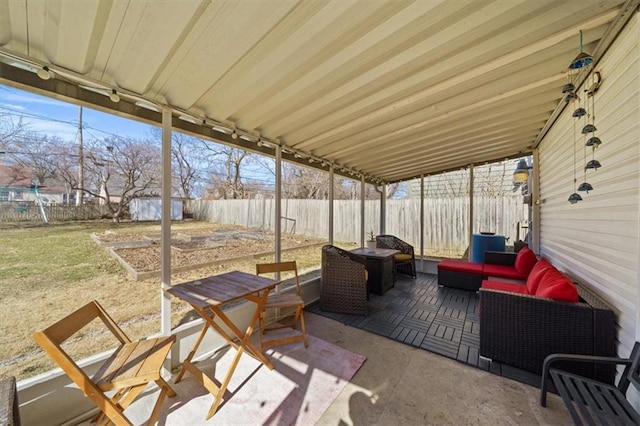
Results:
405 261
344 282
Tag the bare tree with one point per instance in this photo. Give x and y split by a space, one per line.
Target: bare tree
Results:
226 171
10 129
16 175
190 156
35 152
303 182
119 170
310 183
66 167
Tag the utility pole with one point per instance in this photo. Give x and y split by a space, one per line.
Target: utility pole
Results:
80 160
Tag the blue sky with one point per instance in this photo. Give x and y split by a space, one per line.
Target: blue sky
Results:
57 118
52 117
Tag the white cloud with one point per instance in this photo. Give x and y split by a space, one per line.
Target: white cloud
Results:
53 128
15 107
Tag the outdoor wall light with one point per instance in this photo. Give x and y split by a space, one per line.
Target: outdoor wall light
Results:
234 135
521 173
44 73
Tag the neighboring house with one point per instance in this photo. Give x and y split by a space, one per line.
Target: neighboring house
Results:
18 185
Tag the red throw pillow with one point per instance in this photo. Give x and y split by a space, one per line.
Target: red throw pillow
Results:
555 285
536 274
525 260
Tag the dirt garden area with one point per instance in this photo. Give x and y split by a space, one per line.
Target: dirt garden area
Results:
48 271
193 249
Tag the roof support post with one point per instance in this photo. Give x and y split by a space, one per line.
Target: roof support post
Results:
383 210
534 219
331 195
471 215
277 224
79 191
165 223
421 227
362 192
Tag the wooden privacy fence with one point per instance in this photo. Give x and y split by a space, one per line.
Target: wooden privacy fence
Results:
31 212
446 219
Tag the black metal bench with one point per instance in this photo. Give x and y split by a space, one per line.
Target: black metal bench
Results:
590 401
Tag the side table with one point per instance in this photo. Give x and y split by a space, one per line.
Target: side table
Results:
379 267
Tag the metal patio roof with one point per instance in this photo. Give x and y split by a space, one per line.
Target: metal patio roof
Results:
388 89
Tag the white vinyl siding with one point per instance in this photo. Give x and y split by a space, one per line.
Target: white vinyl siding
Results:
597 240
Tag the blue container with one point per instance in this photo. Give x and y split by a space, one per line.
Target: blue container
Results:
485 242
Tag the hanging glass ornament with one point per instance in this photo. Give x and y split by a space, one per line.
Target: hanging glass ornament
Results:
593 164
580 112
574 198
585 187
594 142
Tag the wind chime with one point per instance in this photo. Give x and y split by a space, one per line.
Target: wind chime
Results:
581 115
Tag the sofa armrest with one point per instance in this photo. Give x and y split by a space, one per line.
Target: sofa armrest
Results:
522 330
500 258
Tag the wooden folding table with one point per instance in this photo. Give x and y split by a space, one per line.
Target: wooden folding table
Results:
207 296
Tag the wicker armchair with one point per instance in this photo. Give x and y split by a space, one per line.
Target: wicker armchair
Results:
344 282
405 261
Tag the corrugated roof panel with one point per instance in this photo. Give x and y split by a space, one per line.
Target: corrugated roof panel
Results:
391 89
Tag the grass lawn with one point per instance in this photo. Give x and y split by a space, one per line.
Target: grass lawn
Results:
47 271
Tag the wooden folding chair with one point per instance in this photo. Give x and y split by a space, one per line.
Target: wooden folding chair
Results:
280 301
126 372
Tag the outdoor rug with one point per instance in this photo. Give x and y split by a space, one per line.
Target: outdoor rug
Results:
297 391
441 320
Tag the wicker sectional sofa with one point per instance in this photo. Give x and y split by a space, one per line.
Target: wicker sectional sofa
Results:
529 309
497 265
520 324
521 330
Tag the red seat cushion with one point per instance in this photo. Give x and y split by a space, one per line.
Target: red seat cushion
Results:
503 286
555 285
461 266
525 260
502 271
536 274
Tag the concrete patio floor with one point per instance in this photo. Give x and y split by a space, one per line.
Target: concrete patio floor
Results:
403 385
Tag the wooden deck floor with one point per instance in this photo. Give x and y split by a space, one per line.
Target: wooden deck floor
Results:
441 320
